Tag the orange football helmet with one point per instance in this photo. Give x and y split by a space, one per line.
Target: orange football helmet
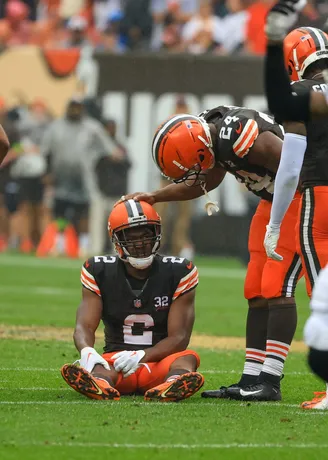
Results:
182 147
138 250
302 47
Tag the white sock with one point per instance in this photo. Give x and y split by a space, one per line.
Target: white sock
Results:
253 361
276 354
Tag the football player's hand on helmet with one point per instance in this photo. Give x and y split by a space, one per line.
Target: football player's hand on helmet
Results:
271 242
89 358
282 17
127 362
138 196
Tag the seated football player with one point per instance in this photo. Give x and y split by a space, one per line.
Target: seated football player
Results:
146 302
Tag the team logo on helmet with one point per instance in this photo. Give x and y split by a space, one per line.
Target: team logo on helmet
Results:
303 47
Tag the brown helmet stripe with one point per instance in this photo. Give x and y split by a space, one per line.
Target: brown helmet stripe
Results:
318 36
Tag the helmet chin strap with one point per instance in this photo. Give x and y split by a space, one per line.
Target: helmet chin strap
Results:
140 263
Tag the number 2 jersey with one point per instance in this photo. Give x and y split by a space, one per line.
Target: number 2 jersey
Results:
238 128
315 164
135 313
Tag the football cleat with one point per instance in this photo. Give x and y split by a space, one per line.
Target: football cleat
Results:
263 391
319 402
85 383
222 392
180 388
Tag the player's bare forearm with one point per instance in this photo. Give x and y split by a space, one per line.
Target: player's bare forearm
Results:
83 337
177 192
181 192
4 144
88 317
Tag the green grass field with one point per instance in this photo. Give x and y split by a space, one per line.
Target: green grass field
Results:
42 418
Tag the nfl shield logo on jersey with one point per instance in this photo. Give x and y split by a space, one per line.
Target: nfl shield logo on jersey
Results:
137 303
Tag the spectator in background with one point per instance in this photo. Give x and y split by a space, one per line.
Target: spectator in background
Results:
178 243
219 8
255 36
28 170
171 40
71 8
9 188
112 175
34 120
233 28
77 27
168 18
137 24
16 23
73 144
203 32
103 10
112 39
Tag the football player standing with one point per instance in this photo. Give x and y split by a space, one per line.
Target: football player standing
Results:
302 57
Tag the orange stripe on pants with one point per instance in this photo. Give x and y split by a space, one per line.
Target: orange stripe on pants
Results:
312 233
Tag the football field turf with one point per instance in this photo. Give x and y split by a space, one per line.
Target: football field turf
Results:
42 418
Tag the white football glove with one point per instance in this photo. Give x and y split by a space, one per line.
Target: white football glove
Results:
282 17
89 358
271 242
127 361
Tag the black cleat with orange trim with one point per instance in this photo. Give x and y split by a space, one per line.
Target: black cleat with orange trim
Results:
85 383
180 388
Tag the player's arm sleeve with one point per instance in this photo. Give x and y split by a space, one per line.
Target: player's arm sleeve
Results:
287 178
187 281
88 279
281 101
243 135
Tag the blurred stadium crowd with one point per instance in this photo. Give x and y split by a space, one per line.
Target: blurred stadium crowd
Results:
70 170
73 169
118 26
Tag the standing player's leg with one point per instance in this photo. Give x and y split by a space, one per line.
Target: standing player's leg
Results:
312 242
316 336
257 316
279 281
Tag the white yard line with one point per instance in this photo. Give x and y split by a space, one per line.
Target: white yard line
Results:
48 444
129 402
205 371
34 389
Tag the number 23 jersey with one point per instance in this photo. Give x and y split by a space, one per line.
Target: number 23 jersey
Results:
136 319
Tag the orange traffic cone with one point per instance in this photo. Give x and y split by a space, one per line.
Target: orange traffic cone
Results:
50 241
